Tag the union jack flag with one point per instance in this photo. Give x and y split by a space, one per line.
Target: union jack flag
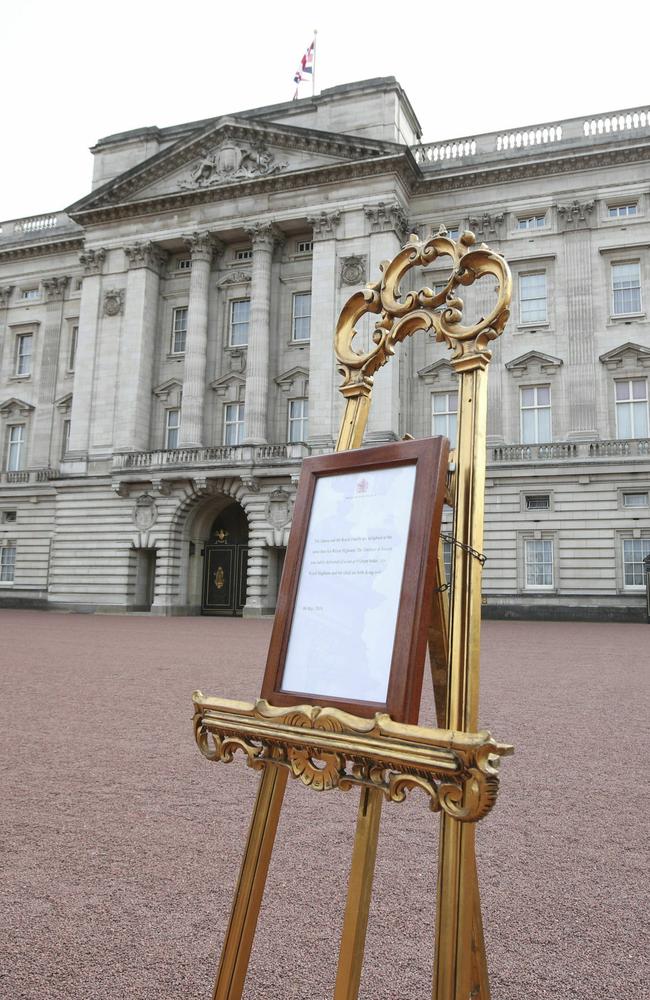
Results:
306 67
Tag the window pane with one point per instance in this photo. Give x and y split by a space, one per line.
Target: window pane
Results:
528 397
528 427
640 419
544 424
639 388
622 390
543 395
239 317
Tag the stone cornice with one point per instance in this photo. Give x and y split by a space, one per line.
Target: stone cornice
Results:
41 249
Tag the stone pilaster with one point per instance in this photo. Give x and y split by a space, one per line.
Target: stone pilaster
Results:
5 295
135 370
48 369
388 231
92 262
264 237
322 363
581 351
202 249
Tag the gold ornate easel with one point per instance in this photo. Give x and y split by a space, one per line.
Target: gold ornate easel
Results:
455 765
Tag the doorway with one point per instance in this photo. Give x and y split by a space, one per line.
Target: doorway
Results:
225 564
145 579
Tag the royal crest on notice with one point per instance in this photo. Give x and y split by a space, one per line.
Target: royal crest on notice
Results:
231 162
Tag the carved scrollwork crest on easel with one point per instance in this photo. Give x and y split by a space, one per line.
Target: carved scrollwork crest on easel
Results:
421 310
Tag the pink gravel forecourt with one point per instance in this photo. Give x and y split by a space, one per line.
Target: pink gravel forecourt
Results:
121 845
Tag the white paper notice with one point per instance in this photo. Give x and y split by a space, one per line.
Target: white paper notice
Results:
343 628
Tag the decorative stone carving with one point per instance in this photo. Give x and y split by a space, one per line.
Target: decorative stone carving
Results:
232 161
161 486
629 356
534 362
384 217
354 269
235 278
278 509
14 407
120 488
5 295
114 302
145 512
264 235
64 404
203 246
487 225
237 361
251 484
438 371
143 254
325 223
575 215
55 287
92 261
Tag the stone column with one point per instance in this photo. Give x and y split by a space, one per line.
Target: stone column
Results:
48 370
581 388
5 295
92 262
135 370
202 248
264 237
323 378
388 232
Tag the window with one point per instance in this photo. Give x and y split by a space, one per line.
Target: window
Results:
183 263
531 222
305 246
7 562
244 254
16 448
72 353
24 353
453 232
239 317
298 419
28 294
447 555
65 441
532 298
233 426
172 425
8 516
632 408
634 552
301 317
179 330
538 556
535 414
444 410
78 282
621 211
635 499
626 288
539 501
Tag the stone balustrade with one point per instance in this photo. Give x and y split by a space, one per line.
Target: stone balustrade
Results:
26 476
35 226
568 451
569 132
214 455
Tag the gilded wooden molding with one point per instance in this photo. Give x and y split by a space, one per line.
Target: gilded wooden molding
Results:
326 748
401 317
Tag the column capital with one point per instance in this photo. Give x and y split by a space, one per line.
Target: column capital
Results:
264 235
92 260
324 224
386 216
203 246
5 294
575 215
144 254
55 287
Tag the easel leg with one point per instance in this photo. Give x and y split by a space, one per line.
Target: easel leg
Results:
237 947
362 873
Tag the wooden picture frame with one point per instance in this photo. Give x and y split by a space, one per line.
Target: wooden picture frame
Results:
395 494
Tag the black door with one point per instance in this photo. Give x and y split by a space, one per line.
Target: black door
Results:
225 564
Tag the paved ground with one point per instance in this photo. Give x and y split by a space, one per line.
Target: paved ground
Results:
121 844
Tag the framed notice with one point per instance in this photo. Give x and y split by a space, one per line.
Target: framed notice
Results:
355 598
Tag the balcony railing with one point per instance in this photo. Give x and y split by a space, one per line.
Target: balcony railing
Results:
568 451
23 476
220 455
568 132
53 223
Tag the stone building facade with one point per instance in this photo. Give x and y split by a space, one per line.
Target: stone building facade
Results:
167 352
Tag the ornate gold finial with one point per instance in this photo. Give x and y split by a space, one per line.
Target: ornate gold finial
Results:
417 311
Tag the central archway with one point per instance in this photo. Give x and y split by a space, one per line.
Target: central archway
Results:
225 563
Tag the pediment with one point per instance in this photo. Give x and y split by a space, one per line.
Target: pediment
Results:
228 152
627 356
64 403
165 389
545 363
296 376
438 370
15 407
232 385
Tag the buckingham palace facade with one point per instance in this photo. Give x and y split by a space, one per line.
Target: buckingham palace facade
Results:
167 361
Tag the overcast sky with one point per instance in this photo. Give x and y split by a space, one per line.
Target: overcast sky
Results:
72 71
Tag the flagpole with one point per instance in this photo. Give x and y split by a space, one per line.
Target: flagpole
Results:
313 75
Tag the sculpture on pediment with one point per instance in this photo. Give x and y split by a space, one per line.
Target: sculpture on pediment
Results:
231 162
